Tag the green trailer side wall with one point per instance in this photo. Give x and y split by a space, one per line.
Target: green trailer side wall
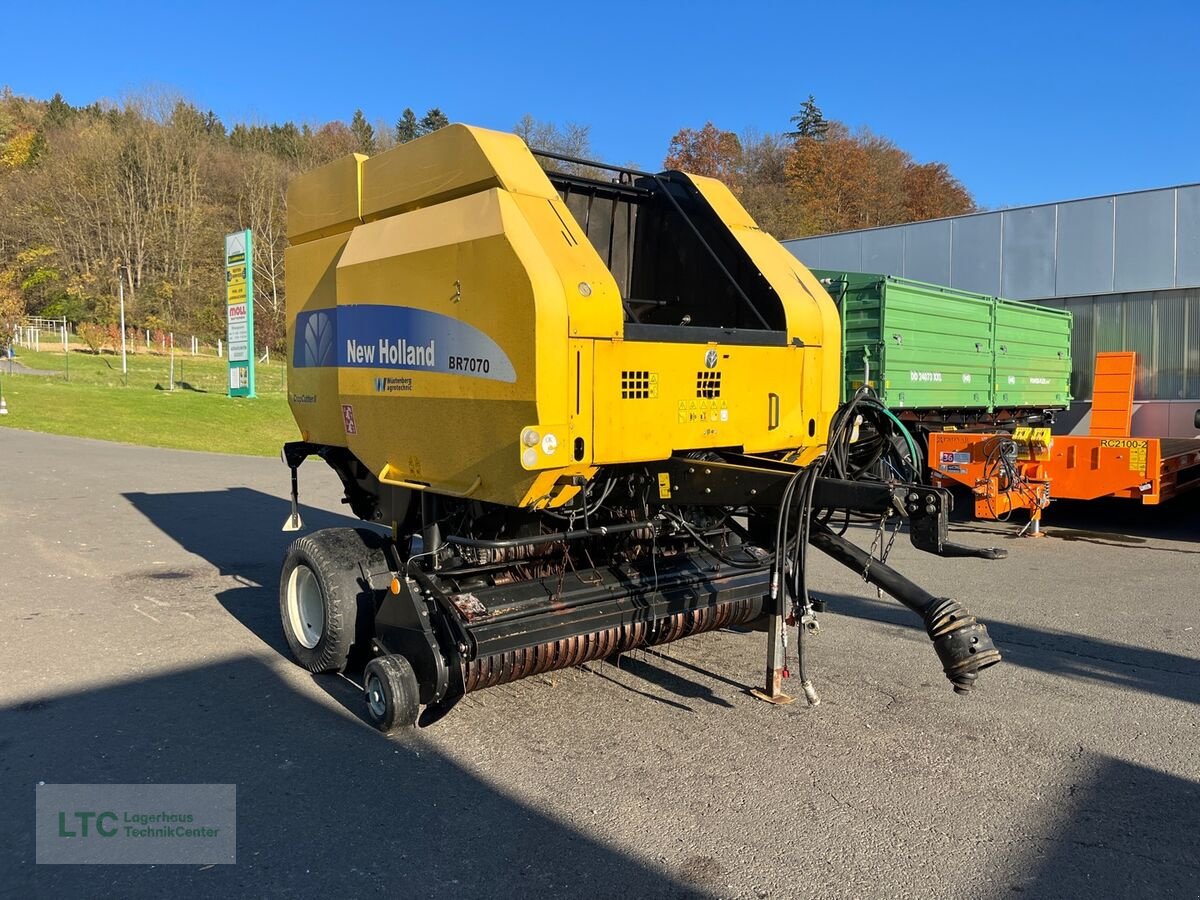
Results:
1033 356
932 347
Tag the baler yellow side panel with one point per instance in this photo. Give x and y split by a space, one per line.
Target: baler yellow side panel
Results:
326 200
475 265
812 316
458 161
312 286
450 163
653 399
592 296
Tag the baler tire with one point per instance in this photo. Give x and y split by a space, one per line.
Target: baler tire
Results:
335 559
392 693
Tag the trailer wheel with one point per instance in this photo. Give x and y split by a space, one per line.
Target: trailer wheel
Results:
326 602
393 696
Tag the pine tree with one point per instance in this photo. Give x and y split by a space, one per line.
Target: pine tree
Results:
406 126
213 125
810 122
58 111
363 132
432 121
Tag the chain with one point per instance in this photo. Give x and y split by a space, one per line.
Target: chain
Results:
891 540
887 549
871 553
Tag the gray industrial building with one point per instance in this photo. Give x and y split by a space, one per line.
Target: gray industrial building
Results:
1126 265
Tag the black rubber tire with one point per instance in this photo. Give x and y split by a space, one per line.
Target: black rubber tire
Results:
341 559
392 693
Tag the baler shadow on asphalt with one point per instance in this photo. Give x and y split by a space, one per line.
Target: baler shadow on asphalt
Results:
238 531
1125 830
397 806
1058 653
326 806
1108 522
325 803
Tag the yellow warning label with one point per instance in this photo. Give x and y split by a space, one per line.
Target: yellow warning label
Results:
704 409
1136 448
664 486
1137 458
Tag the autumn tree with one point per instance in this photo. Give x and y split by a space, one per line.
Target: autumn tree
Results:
92 335
261 199
931 192
12 310
142 192
846 180
707 151
332 140
820 176
762 184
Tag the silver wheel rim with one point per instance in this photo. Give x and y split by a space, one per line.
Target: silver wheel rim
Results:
305 606
376 701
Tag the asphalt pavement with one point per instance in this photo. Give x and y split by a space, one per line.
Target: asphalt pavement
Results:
140 633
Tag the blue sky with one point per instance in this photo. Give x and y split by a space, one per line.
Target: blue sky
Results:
1026 102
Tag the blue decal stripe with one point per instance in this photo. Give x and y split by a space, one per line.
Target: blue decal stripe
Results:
397 337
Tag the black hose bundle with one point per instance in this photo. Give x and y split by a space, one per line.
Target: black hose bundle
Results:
866 443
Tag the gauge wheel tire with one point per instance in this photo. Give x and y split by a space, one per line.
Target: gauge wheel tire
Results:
392 693
326 602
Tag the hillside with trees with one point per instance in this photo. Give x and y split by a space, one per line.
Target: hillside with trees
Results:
820 176
142 192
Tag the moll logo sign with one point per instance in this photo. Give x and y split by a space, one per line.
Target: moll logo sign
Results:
397 337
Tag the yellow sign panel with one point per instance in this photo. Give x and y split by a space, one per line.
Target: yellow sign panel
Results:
1136 448
664 486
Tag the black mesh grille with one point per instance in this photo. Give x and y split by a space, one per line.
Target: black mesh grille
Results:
635 384
708 385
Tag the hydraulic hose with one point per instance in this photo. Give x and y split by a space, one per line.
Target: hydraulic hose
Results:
959 639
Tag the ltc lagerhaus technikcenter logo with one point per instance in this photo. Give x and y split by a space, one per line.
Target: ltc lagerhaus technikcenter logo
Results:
136 823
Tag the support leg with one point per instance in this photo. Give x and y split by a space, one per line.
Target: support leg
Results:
1034 527
294 522
776 655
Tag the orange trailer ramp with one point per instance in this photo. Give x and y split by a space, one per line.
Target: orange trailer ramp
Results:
1024 470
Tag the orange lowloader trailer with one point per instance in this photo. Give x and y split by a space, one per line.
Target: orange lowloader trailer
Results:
1025 469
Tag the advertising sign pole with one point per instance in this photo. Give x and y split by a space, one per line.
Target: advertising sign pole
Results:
239 310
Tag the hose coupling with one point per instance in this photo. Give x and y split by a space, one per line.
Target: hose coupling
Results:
961 642
810 693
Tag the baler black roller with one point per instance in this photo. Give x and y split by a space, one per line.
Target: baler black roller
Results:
500 668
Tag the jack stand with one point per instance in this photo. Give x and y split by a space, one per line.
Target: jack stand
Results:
294 522
776 653
1033 528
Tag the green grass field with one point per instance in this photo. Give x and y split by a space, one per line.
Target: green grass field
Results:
87 397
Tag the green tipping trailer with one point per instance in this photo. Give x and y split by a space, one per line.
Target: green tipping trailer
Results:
940 356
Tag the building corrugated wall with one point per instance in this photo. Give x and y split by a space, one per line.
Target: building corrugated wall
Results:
1126 265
